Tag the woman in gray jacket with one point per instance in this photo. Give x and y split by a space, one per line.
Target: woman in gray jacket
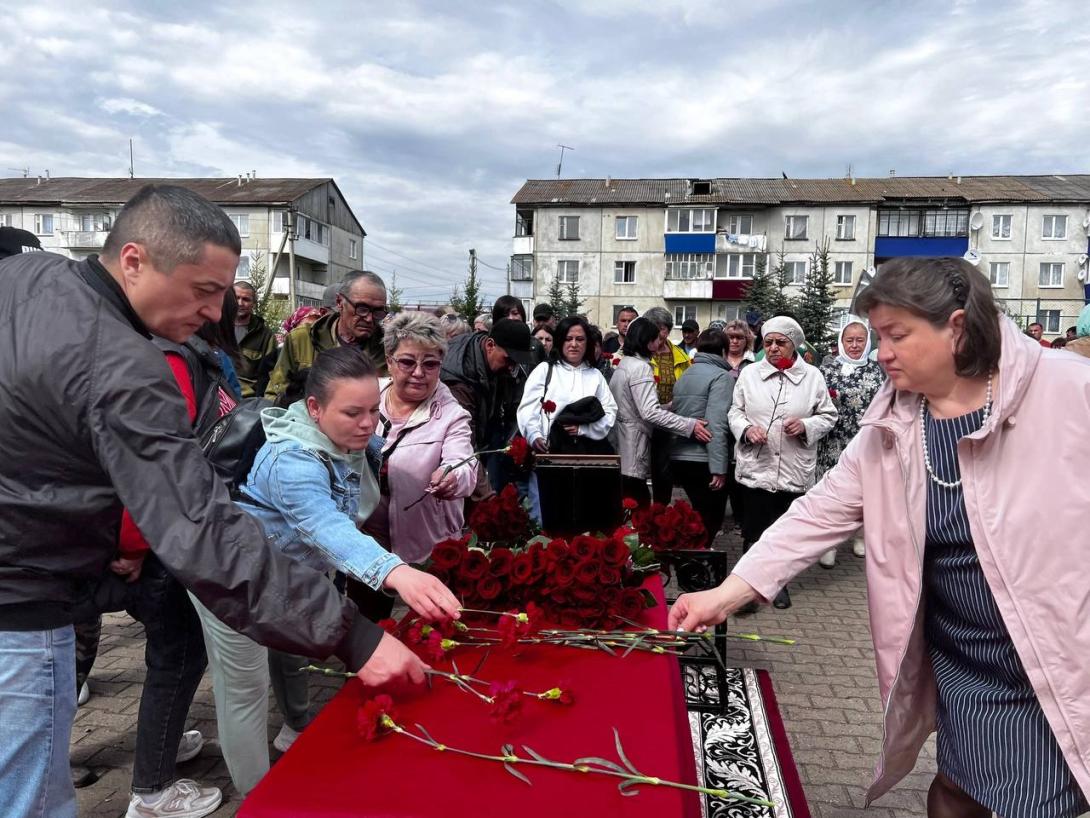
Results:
638 410
705 391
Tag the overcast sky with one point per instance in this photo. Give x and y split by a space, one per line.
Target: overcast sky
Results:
431 115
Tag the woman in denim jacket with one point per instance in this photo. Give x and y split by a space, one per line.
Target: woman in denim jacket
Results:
310 485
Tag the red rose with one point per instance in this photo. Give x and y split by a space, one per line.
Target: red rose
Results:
369 716
616 362
489 588
609 575
631 605
522 568
584 547
499 562
784 363
585 593
629 504
615 553
556 551
447 555
564 573
548 407
586 572
474 566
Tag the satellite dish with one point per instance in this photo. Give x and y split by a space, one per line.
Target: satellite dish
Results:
1083 259
864 281
1086 222
976 221
972 256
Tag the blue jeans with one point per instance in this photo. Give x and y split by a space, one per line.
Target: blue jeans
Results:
37 706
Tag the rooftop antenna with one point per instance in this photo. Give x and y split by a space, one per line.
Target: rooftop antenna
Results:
560 164
24 171
130 158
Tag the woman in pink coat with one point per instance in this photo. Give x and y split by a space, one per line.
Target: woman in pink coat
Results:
979 603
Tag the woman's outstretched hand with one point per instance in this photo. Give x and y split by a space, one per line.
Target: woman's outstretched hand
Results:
700 610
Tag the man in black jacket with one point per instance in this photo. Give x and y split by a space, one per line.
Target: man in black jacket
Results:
256 342
91 419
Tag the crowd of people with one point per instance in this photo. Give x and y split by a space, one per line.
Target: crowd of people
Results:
115 496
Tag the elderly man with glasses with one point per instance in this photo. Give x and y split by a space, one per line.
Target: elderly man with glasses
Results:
356 320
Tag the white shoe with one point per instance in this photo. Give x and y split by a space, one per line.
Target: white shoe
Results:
84 695
182 799
285 738
828 559
190 745
858 548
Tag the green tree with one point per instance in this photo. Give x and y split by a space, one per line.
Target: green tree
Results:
572 301
781 301
468 300
815 308
557 298
394 295
271 307
761 289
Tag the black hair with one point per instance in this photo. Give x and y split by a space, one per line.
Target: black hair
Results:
544 312
173 224
503 306
333 365
221 334
641 333
595 336
712 341
933 289
561 334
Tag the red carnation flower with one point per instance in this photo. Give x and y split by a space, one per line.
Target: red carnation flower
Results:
656 379
519 450
506 701
783 363
548 407
369 716
388 625
616 362
832 393
432 648
629 504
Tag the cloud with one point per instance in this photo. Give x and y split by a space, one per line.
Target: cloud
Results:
125 105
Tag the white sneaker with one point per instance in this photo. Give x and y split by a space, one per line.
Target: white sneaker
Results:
182 799
84 695
828 559
858 548
190 745
285 738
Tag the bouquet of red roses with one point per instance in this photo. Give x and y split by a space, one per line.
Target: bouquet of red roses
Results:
670 528
502 518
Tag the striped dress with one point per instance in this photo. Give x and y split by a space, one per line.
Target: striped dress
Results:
993 739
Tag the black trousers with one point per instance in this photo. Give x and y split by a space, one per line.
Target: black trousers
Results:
710 505
736 492
763 508
662 480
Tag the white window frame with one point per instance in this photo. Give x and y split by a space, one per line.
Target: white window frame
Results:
621 270
564 229
841 267
999 273
739 224
740 266
40 222
353 249
674 220
845 227
689 266
1053 268
1001 226
728 310
242 272
567 271
278 221
792 277
522 269
789 225
1044 318
242 223
683 313
1049 224
631 228
6 219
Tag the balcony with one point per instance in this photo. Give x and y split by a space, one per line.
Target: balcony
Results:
751 243
304 248
687 288
84 239
523 246
303 289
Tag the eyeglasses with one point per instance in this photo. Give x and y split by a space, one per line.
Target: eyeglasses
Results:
409 365
736 337
775 342
365 310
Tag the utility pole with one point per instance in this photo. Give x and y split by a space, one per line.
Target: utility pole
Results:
130 158
560 164
290 226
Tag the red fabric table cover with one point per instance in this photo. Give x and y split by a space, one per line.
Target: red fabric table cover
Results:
331 772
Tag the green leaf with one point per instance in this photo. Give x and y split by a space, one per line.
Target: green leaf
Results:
508 749
602 762
472 541
626 785
425 733
606 648
621 755
535 755
517 774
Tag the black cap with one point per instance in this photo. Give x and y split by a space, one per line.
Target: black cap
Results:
14 241
543 312
513 337
690 326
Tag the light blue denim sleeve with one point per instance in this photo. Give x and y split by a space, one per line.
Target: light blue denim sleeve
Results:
299 489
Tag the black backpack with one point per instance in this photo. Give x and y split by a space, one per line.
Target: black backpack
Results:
230 442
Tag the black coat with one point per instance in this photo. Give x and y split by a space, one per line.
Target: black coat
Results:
91 419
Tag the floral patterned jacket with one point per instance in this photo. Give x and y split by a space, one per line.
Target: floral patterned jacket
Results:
852 394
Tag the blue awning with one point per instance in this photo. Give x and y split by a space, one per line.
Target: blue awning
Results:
690 242
892 246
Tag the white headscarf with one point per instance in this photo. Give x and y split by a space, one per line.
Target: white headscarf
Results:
787 327
849 365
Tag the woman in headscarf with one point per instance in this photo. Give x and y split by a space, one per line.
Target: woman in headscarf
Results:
853 380
1081 344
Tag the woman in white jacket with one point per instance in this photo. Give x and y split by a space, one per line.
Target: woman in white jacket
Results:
568 376
781 410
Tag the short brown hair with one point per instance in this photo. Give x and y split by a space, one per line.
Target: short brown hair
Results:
933 289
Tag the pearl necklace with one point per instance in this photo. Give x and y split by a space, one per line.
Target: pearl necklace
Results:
923 437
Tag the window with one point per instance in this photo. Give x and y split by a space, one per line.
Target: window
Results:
1049 319
690 220
1001 227
524 223
795 227
925 223
5 220
43 224
353 249
1052 274
795 271
842 273
1054 227
624 272
999 273
242 222
278 221
740 265
569 228
727 310
689 265
243 270
683 313
567 272
626 227
839 319
739 223
522 269
898 223
93 222
845 228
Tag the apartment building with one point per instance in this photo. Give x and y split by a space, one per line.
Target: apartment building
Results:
695 243
305 225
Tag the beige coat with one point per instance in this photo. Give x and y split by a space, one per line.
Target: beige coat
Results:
638 411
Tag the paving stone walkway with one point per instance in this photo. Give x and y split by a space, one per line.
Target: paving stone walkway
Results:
826 688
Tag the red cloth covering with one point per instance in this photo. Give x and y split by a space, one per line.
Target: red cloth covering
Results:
331 772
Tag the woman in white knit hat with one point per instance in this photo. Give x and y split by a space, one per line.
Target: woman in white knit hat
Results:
781 410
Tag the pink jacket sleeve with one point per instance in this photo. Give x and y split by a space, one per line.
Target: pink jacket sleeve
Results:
819 520
458 445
